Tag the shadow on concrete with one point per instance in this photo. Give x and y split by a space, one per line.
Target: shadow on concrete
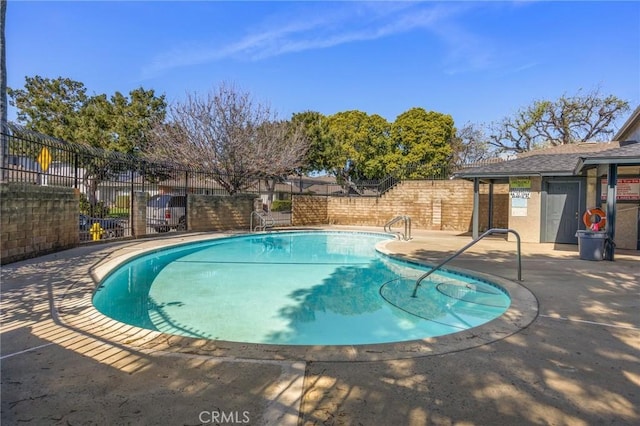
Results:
60 372
578 363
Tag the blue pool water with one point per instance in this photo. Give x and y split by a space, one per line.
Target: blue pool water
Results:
294 288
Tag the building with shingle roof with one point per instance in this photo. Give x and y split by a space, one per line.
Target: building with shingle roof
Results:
551 189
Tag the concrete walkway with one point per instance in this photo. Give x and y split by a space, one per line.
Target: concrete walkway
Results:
576 362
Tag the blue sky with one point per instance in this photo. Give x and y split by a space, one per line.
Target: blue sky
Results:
478 61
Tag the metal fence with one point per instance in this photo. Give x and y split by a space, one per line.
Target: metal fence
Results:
106 180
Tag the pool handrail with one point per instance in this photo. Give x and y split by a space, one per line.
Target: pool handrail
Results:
265 218
457 253
406 236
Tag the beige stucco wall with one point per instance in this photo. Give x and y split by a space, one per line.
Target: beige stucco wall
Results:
592 189
529 226
626 226
626 234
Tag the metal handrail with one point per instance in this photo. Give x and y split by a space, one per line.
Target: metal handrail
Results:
456 254
407 227
264 219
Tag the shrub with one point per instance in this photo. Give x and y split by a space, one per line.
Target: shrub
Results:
281 206
122 201
99 210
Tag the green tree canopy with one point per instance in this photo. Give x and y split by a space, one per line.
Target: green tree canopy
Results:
422 141
362 139
50 106
321 149
61 108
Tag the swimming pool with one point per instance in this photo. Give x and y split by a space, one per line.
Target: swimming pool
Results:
293 288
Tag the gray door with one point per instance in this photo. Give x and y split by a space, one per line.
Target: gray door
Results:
563 212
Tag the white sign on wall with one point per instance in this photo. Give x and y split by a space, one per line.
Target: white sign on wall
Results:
519 207
519 192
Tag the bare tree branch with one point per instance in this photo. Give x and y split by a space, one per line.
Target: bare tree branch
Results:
470 145
574 119
231 136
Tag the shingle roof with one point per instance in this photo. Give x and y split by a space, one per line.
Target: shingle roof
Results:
627 154
580 148
563 160
541 164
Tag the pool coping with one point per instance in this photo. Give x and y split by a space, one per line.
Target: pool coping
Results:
80 313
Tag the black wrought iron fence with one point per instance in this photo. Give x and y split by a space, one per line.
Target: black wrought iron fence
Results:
106 180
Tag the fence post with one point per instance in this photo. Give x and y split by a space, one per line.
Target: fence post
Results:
138 214
75 170
143 174
4 151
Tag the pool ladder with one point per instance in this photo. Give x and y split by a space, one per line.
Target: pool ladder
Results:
263 220
456 254
406 236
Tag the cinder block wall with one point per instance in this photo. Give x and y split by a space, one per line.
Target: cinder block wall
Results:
434 205
219 213
139 214
36 220
309 210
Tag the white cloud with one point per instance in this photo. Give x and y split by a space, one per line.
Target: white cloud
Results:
317 26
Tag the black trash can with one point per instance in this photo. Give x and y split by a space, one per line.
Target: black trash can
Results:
591 244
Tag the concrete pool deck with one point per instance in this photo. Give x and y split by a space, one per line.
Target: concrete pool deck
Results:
576 361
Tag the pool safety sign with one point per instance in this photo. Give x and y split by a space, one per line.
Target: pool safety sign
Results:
519 192
627 189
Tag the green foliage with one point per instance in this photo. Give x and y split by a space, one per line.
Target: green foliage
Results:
316 129
51 107
119 212
281 206
418 140
123 201
362 139
61 108
422 141
99 209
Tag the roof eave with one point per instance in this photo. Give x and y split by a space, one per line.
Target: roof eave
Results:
628 124
597 161
506 175
494 175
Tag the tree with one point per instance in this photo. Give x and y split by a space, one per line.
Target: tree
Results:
321 149
572 119
230 135
422 141
61 108
470 145
280 148
50 107
363 141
